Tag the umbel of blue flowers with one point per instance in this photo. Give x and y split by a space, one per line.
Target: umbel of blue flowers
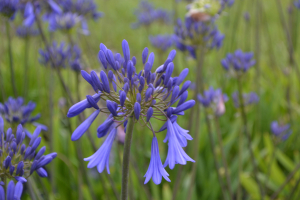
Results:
161 42
146 14
282 131
238 62
8 8
143 96
16 112
248 98
214 99
13 192
192 35
18 160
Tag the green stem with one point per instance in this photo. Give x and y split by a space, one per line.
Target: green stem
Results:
246 132
12 72
126 158
26 70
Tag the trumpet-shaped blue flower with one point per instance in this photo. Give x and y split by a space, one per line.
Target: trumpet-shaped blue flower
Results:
142 96
155 170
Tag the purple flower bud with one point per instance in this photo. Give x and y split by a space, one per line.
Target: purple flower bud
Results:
83 127
184 106
23 147
20 180
172 54
148 94
92 101
36 144
103 47
169 72
126 87
129 70
11 169
137 110
110 75
149 113
151 59
133 60
35 134
42 172
33 166
19 168
183 98
184 87
96 80
122 98
174 94
138 97
13 146
104 128
111 58
102 59
182 76
44 162
111 107
10 190
81 106
6 162
145 55
1 126
105 82
126 50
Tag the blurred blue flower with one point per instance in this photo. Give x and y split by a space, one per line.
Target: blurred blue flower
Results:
15 111
238 61
25 32
281 131
8 8
13 192
19 161
64 21
161 42
142 96
59 53
146 14
297 4
193 34
249 98
214 99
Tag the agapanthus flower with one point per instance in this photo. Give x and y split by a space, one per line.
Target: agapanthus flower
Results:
146 14
19 161
64 21
16 112
25 32
193 34
59 53
238 61
140 96
248 98
214 99
13 192
281 131
8 8
161 42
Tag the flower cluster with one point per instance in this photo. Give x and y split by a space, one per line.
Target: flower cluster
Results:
25 32
238 61
281 131
64 21
8 8
214 99
13 192
248 98
19 161
15 112
193 34
146 14
140 97
161 42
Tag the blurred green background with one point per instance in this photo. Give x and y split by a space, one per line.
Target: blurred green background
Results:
263 34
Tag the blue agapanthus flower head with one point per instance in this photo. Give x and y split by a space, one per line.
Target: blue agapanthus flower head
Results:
248 98
238 61
16 112
18 160
85 8
142 96
192 34
60 54
13 192
281 131
26 32
8 8
146 14
214 99
64 21
161 42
